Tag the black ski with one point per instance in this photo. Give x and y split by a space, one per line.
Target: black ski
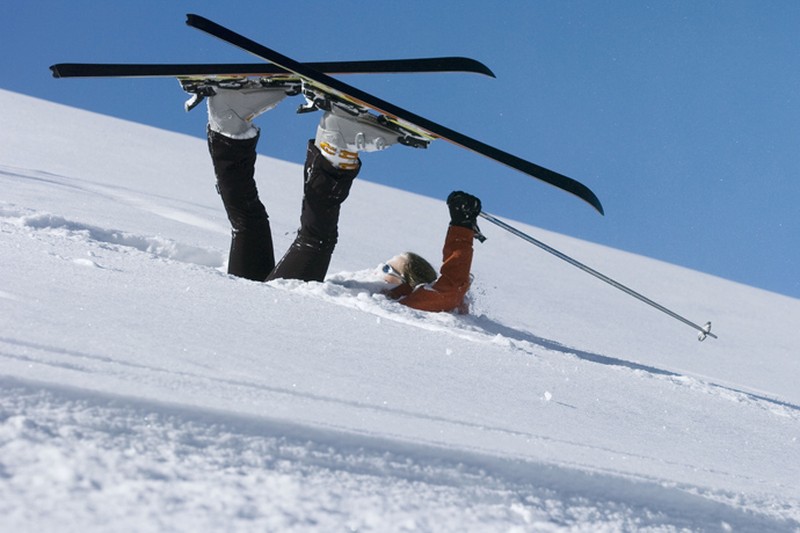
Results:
346 92
380 66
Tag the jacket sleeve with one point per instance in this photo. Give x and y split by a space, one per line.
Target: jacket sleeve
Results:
448 291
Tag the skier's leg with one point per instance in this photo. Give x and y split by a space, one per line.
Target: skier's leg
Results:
232 140
332 164
325 188
251 255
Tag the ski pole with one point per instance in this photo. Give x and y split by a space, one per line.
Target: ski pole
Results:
704 331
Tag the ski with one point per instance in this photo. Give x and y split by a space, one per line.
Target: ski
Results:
380 66
406 120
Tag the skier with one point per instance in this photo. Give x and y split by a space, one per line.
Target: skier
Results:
331 165
419 286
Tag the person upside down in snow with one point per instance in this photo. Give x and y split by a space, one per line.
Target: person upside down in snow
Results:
331 165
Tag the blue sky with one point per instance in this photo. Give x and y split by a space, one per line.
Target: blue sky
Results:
683 116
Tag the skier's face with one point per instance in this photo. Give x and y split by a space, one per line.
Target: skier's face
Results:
393 269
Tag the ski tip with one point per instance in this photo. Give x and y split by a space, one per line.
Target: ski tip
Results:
54 70
466 64
595 202
586 194
480 68
193 20
483 69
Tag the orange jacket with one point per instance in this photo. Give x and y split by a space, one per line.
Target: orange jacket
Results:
448 291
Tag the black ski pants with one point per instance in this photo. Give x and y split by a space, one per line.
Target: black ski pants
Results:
251 253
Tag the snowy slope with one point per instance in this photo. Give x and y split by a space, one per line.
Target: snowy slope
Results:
142 387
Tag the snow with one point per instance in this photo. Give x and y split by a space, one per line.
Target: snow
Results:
143 389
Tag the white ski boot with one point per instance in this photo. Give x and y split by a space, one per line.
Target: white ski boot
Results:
231 111
341 135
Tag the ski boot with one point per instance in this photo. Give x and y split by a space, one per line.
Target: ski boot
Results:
341 135
234 103
347 128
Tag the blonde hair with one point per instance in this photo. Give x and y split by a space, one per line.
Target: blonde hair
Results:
417 271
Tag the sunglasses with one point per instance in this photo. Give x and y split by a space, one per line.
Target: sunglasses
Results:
390 270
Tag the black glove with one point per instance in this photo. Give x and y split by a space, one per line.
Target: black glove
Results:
464 210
